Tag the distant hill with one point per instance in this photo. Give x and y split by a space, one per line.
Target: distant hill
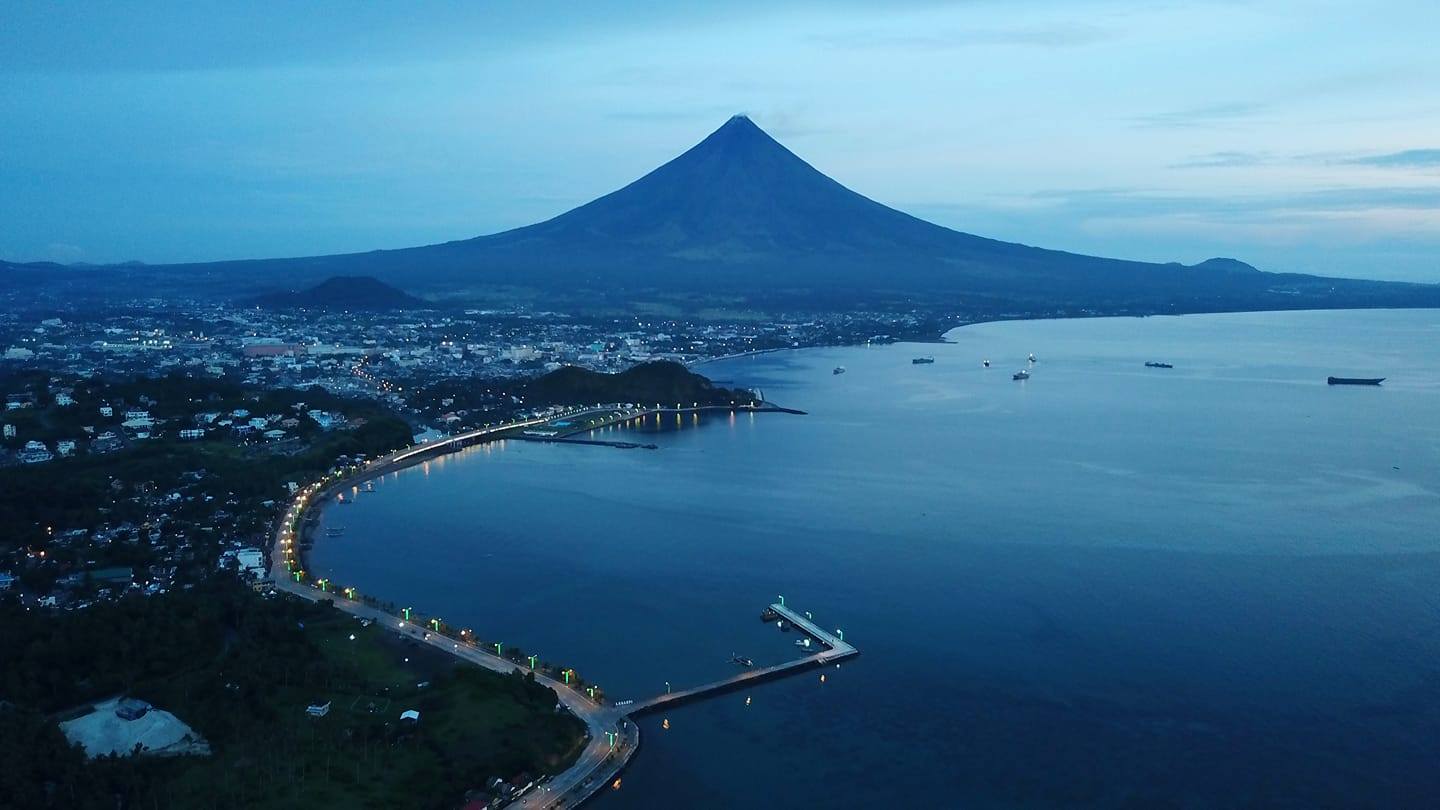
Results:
343 292
740 216
662 382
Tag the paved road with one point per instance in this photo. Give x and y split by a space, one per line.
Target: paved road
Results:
597 763
601 760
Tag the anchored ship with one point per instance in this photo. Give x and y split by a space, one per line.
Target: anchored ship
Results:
1354 380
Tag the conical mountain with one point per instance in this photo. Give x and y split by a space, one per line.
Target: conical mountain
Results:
740 212
740 216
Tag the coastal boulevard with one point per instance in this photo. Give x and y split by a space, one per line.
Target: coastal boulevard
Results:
612 738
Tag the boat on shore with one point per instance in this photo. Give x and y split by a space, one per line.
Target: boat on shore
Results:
1022 374
1158 365
920 361
1354 380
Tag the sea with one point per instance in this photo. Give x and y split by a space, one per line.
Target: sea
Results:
1108 585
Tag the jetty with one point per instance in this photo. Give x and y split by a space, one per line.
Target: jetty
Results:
834 648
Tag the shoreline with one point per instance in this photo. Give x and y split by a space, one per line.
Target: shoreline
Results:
612 737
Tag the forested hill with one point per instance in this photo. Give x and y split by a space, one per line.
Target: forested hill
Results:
663 382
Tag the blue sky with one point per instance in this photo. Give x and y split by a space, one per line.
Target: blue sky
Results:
1297 136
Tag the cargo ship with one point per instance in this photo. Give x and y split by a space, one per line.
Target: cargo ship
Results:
1354 380
920 361
1158 365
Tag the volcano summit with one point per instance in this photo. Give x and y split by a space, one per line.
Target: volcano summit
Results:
741 216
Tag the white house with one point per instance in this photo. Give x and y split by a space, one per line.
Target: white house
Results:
35 452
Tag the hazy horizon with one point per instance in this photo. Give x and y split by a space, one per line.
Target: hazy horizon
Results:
190 132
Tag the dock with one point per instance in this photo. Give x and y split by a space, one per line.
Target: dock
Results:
835 649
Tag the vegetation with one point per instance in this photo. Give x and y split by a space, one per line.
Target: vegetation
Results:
240 669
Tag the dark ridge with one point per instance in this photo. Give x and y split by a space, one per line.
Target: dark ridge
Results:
342 292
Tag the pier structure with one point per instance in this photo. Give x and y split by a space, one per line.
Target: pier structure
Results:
834 648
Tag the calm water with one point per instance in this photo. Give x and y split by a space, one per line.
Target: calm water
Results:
1214 585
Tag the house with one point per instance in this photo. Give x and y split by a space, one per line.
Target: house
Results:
326 419
274 435
136 413
410 715
249 561
35 452
65 447
116 576
9 431
64 400
14 402
7 579
318 709
192 433
107 411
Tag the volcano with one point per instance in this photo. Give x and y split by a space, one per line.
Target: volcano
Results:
740 215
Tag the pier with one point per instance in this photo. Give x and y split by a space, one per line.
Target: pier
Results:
834 649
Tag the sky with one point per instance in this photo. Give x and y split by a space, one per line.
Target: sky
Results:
1297 136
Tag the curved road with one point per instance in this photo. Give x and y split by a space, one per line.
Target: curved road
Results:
597 764
601 760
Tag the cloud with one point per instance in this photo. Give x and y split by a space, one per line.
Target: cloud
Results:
1221 160
63 253
1207 115
1408 159
1058 35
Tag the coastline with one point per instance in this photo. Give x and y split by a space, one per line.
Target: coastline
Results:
612 738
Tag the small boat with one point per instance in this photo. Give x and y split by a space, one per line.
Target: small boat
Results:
741 660
334 531
838 370
1032 357
985 363
802 642
920 361
1354 380
1022 374
369 486
1158 365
